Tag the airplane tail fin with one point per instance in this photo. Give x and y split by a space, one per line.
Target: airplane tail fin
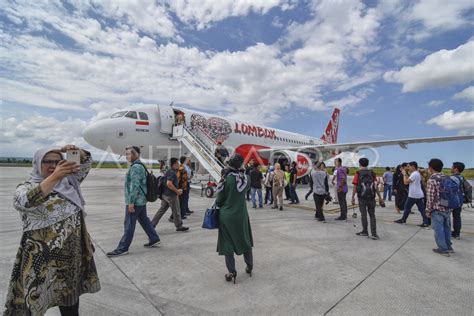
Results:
330 135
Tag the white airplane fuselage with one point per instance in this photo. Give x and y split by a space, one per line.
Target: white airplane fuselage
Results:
150 128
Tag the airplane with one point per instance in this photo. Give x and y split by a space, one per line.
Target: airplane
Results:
151 128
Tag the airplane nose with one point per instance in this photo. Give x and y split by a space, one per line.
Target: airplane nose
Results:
94 135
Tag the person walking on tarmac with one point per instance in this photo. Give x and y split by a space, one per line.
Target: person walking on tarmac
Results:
235 233
135 209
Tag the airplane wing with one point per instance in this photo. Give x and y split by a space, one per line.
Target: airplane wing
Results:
403 143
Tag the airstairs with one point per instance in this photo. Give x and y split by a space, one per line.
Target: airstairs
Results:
200 146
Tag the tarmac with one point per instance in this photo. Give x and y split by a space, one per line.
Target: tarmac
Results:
302 267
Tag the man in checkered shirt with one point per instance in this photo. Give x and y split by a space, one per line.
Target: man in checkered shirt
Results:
440 215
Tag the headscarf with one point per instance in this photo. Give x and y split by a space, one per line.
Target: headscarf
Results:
68 187
234 169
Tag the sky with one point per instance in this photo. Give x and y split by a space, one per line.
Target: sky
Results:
396 69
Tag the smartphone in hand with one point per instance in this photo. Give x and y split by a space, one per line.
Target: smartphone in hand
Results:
74 156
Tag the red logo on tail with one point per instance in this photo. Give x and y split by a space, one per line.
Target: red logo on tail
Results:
330 135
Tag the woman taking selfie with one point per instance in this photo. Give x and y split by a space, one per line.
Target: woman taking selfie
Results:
54 264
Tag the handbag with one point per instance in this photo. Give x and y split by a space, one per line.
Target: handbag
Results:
211 218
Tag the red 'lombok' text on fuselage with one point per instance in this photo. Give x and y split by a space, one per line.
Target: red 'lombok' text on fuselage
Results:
253 130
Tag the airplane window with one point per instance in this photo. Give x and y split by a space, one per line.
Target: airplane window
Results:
118 114
143 116
132 114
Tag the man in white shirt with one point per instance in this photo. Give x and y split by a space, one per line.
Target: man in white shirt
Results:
415 195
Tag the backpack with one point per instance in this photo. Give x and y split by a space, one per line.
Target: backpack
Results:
467 190
450 192
366 186
151 185
161 180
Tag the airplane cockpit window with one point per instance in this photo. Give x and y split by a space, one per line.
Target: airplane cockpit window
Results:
118 114
132 114
143 116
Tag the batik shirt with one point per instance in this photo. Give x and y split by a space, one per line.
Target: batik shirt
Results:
37 211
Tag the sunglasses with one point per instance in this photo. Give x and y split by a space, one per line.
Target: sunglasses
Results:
50 162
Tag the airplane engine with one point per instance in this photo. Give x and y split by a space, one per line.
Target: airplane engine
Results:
303 161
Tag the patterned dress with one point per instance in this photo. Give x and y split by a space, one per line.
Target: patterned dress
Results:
54 264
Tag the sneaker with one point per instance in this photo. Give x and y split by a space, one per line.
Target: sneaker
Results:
457 237
365 234
444 253
190 212
450 250
281 208
152 244
341 218
261 206
116 253
424 226
171 220
254 206
400 221
375 237
183 217
323 220
182 229
274 207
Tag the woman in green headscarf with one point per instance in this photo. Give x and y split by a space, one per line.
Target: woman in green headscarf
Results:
235 233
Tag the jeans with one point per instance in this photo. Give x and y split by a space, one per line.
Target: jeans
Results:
169 202
420 204
287 192
441 224
341 197
129 227
260 201
187 197
183 202
230 261
457 222
293 195
318 202
368 206
268 195
387 189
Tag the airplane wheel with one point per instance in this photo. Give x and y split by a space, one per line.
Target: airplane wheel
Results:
209 192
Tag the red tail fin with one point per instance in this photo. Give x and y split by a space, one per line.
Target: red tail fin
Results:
330 135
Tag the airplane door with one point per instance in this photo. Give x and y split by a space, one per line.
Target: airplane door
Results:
166 118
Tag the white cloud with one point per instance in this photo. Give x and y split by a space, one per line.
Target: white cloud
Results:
435 102
111 67
440 69
23 133
441 14
204 13
423 19
150 17
466 94
449 120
